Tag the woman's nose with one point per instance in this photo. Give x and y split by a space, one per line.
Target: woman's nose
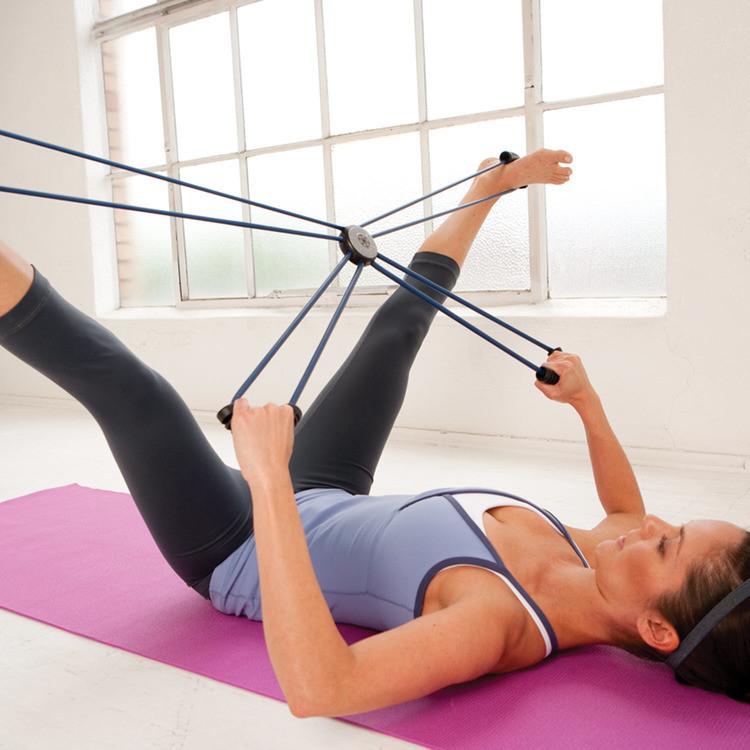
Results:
653 524
649 525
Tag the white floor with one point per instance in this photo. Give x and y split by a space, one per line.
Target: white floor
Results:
58 690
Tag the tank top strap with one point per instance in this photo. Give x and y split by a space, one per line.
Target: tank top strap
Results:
554 520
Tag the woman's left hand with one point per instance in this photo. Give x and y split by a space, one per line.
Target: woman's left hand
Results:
263 438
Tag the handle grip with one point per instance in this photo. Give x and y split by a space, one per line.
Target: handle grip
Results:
225 415
545 375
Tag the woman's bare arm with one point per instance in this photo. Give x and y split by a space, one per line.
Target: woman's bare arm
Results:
456 644
320 674
615 480
307 651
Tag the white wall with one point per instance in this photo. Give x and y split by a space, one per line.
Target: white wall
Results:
676 381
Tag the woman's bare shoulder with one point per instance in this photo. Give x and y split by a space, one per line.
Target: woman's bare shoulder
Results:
523 645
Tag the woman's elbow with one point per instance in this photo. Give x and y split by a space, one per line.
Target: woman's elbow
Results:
312 704
298 710
308 711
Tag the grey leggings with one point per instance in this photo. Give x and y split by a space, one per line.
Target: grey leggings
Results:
197 508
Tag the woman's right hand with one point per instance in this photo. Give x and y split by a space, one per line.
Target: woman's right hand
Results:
573 387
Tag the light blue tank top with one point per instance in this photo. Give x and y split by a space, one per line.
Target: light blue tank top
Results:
374 556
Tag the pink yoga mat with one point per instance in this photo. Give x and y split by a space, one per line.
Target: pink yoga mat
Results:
81 559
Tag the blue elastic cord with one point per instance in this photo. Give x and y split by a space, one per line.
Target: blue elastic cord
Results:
453 315
429 195
704 627
157 176
463 301
159 212
327 334
442 213
284 336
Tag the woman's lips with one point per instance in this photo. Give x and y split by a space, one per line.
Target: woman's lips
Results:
621 542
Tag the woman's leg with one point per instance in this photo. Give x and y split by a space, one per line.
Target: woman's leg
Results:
340 439
197 508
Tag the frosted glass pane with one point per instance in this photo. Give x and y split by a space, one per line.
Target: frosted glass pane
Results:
133 96
111 8
468 70
371 60
203 87
499 257
371 177
292 180
215 253
281 89
594 47
607 226
144 249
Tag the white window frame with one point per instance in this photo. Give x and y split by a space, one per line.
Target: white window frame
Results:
168 13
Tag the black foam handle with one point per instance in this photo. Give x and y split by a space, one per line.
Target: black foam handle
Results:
545 375
297 413
225 415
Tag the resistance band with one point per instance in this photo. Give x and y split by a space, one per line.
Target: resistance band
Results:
356 243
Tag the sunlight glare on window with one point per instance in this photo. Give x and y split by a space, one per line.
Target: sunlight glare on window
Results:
215 253
144 249
280 85
372 72
292 180
131 82
593 47
203 87
470 67
607 226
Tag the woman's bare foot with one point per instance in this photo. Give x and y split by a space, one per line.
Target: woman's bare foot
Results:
541 167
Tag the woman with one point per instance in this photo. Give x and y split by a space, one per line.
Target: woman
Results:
295 521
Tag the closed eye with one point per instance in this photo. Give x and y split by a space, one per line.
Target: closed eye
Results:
661 545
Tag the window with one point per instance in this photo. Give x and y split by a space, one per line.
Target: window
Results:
344 109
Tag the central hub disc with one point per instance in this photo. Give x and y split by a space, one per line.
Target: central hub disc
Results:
360 243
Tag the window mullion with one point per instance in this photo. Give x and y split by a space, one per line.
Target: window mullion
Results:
170 149
325 129
239 106
535 140
424 143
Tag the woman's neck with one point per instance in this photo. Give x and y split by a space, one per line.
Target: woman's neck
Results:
576 608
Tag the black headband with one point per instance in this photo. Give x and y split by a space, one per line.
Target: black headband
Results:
704 627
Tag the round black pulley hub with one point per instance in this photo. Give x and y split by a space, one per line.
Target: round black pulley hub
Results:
360 243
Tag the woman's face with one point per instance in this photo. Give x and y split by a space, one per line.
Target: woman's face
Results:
655 557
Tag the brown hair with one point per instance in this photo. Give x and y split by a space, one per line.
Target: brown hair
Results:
720 663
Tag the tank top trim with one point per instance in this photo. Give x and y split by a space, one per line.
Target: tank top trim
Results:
543 511
489 491
500 568
548 645
540 620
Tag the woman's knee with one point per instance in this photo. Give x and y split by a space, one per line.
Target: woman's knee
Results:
402 328
127 386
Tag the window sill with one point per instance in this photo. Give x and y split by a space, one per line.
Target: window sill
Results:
600 308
